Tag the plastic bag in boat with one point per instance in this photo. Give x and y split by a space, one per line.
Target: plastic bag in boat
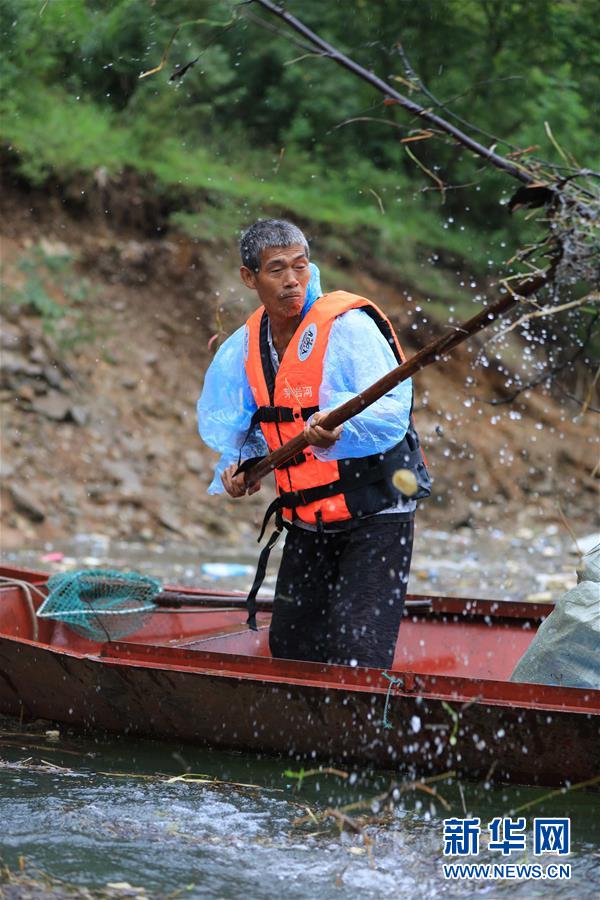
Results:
566 648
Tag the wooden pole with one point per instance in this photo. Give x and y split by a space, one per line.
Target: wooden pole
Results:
431 353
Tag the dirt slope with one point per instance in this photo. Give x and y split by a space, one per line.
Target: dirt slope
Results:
98 417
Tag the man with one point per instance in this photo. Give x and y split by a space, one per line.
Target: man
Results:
342 581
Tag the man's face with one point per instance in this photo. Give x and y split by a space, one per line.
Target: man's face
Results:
281 281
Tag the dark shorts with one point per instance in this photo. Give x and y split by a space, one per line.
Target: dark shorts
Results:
340 595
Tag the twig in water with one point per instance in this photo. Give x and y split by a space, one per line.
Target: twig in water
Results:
302 774
560 792
462 799
189 778
390 798
52 765
46 749
455 718
490 772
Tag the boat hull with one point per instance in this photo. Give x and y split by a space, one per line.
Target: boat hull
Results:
418 734
447 705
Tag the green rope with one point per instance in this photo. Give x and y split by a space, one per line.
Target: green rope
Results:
392 681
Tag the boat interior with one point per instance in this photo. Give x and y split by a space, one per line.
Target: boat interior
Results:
444 636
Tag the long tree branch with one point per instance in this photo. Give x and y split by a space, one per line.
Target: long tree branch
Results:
518 172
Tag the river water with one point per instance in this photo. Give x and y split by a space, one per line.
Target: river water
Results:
94 811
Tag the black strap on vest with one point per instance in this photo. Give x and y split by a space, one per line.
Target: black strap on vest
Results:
261 569
247 464
273 414
252 460
280 414
277 414
384 328
294 461
377 467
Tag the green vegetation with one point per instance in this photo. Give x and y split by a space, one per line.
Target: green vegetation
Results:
257 127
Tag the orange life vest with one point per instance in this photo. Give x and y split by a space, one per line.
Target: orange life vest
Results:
309 489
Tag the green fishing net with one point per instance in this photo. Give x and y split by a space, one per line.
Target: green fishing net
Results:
101 604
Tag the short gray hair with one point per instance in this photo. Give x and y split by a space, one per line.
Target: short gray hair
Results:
268 233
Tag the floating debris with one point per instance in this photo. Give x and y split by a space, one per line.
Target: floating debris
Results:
226 570
30 882
55 556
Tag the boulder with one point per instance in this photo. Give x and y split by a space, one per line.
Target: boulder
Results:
53 406
26 503
194 461
155 447
17 364
25 392
78 414
11 338
53 376
125 476
169 517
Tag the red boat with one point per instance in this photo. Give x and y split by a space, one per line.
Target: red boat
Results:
198 674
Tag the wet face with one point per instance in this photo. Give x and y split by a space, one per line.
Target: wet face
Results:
281 281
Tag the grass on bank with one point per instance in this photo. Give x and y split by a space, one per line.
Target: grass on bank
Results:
405 234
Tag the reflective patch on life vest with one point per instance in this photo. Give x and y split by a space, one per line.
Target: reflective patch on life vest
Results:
299 393
246 343
307 342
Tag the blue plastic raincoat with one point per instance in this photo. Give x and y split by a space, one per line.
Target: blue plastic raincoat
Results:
357 355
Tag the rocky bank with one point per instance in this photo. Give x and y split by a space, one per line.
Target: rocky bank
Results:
109 324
